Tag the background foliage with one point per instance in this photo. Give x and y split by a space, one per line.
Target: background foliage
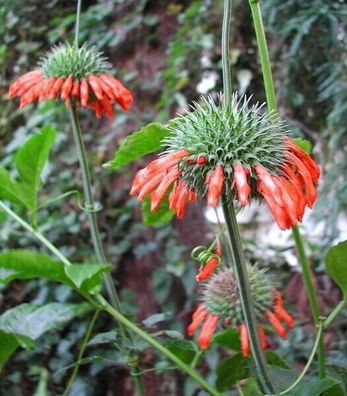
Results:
163 51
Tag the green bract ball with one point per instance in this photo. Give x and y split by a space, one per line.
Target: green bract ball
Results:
220 294
66 60
241 134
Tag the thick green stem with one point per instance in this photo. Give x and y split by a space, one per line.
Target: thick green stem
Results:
264 56
272 107
227 87
237 252
94 229
77 25
81 352
179 363
246 296
90 206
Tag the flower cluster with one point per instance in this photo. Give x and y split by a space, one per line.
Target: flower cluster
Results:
220 302
74 74
238 151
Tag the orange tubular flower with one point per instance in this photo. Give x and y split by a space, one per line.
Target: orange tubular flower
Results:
71 74
238 150
215 186
220 302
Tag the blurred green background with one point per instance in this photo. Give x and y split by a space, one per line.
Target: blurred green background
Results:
168 53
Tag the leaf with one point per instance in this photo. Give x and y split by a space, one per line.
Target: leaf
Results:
162 215
315 388
154 319
145 141
33 155
183 349
229 338
336 265
22 264
27 322
251 388
276 360
304 144
9 344
104 338
231 370
29 162
86 277
13 191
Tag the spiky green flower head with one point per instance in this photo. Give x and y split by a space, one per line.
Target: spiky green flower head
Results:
66 60
221 297
241 134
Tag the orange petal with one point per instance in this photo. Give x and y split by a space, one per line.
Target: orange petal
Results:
244 340
207 331
281 331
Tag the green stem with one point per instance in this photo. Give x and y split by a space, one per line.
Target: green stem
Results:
179 363
81 352
272 107
237 252
115 314
94 229
334 313
77 26
89 203
308 364
36 233
264 56
245 295
312 297
227 86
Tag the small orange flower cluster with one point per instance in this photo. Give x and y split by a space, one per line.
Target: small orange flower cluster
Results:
287 194
210 321
96 92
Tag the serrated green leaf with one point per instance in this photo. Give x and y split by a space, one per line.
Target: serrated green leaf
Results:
162 215
145 141
231 370
304 144
336 265
9 344
33 155
22 264
183 349
29 321
315 388
229 338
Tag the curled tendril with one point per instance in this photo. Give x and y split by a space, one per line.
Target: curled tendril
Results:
202 254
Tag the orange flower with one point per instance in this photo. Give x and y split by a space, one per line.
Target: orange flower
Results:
35 86
78 75
220 302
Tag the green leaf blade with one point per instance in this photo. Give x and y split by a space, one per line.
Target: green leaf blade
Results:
32 321
336 265
145 141
33 155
